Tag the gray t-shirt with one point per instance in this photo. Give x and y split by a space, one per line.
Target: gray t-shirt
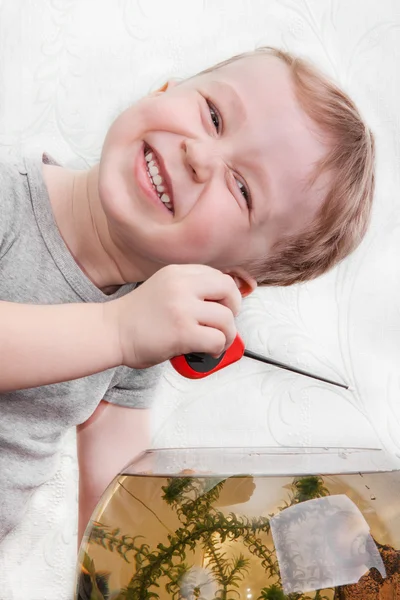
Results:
37 268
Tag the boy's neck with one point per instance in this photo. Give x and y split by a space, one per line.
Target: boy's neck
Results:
81 221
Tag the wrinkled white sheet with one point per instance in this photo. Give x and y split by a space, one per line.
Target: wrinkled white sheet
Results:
66 69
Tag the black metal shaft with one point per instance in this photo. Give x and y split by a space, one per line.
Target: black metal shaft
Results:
276 363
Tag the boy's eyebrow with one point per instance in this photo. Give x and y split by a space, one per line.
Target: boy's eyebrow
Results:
233 105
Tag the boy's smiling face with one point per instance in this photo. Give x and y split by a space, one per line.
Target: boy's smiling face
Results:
234 151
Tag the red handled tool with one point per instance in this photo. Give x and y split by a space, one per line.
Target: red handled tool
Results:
197 365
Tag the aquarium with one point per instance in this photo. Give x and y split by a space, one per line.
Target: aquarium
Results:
236 523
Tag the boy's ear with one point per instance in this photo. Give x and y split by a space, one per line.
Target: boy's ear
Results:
244 281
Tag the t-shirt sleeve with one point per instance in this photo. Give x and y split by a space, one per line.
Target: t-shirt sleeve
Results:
10 188
135 388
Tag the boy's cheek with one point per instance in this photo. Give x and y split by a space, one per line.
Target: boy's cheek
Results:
126 128
134 122
170 113
166 112
206 240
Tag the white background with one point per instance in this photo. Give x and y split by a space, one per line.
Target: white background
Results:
67 67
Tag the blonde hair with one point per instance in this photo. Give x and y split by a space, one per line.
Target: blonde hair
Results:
343 218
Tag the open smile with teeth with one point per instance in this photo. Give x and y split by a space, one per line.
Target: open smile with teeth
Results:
154 173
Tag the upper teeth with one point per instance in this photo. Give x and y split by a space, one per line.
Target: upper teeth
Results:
156 179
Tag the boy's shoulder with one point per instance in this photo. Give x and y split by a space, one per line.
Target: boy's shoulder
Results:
14 192
15 165
13 178
12 165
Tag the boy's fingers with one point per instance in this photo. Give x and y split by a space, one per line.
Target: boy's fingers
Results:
210 341
206 282
217 316
221 288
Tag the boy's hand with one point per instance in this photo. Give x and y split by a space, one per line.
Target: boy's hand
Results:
180 309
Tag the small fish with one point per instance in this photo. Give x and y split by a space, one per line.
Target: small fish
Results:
92 585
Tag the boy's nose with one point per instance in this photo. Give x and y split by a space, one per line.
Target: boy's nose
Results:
199 159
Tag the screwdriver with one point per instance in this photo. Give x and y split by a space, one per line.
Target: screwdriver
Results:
197 365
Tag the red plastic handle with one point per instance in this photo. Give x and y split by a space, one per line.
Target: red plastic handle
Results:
197 365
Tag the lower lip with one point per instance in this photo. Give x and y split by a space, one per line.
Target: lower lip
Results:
144 182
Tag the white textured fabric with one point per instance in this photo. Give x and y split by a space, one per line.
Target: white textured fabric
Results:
67 67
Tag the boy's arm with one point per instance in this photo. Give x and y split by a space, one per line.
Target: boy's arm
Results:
106 442
181 308
44 344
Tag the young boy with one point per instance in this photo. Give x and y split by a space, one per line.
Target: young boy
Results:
257 171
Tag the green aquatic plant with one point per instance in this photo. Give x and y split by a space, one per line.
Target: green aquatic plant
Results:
308 488
202 525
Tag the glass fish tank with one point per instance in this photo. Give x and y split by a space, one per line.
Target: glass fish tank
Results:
246 524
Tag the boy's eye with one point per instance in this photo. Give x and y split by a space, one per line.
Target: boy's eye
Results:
244 191
217 122
215 118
